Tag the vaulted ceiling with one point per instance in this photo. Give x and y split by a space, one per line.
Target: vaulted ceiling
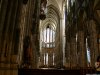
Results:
54 13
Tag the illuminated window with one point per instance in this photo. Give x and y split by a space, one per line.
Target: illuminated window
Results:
48 37
88 51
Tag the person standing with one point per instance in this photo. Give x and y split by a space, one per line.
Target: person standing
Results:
97 65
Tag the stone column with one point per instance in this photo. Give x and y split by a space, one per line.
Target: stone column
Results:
13 54
22 23
57 51
10 39
73 53
67 53
50 59
5 37
3 9
2 19
99 44
9 24
93 42
35 33
82 56
1 4
41 59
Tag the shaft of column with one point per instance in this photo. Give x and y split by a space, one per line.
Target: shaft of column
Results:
93 42
82 50
73 52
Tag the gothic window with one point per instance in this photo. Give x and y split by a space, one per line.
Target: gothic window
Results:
48 37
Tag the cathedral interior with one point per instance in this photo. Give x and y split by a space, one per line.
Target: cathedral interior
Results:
38 36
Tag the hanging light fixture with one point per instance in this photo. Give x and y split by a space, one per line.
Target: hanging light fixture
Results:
43 9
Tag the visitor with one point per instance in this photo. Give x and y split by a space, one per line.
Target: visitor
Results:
97 65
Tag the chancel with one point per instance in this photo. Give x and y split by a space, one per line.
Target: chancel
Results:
40 37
